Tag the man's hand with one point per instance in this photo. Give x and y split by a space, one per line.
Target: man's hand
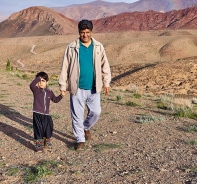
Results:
106 90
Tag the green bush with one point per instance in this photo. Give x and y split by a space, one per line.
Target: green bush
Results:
130 103
148 119
118 98
8 67
137 95
192 142
185 112
162 105
192 128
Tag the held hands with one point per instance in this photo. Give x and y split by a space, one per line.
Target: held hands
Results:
63 93
106 90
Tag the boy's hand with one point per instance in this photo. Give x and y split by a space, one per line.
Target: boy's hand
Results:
63 93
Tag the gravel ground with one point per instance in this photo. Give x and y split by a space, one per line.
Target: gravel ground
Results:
122 149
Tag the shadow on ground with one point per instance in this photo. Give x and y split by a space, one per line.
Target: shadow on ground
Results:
21 136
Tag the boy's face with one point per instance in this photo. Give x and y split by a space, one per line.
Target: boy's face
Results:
42 84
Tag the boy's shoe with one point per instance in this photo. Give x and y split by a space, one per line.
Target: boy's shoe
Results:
80 146
87 135
47 143
39 145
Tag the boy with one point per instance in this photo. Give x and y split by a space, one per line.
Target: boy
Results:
42 121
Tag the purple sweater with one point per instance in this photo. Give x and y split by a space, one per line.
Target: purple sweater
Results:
42 98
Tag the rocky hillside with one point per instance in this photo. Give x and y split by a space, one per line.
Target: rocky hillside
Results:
37 21
150 20
40 21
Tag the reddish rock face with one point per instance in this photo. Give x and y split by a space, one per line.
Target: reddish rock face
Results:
150 20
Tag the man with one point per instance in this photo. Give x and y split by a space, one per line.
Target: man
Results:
85 70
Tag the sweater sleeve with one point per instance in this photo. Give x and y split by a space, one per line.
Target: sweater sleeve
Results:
33 86
54 98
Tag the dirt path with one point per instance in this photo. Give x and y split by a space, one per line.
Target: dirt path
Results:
122 150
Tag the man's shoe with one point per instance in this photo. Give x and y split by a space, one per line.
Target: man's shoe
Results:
80 146
87 135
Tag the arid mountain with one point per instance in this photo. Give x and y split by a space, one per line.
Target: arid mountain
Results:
37 21
150 20
162 5
93 10
101 9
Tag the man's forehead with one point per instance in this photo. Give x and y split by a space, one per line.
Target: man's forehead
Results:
85 30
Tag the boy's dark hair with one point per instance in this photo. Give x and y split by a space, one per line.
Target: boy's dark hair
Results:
43 75
85 24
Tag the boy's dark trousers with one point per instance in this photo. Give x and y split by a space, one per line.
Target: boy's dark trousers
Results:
42 126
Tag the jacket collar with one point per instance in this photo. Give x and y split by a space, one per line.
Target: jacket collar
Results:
76 43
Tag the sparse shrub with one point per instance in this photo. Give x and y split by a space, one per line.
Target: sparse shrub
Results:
8 65
133 89
20 74
3 96
162 105
137 95
192 142
34 173
53 77
165 101
132 104
192 128
2 164
194 169
24 76
185 112
181 107
103 147
148 119
55 116
41 170
17 74
115 119
13 171
118 98
53 83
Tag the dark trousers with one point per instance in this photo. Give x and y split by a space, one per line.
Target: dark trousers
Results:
42 125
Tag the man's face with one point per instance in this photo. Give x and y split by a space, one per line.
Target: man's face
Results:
85 35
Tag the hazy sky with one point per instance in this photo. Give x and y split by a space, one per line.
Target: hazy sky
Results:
7 7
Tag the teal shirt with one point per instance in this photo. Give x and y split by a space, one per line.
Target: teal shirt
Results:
86 64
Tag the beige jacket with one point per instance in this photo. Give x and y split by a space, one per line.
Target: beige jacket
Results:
69 76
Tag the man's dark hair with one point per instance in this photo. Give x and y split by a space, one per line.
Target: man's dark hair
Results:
43 75
85 24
